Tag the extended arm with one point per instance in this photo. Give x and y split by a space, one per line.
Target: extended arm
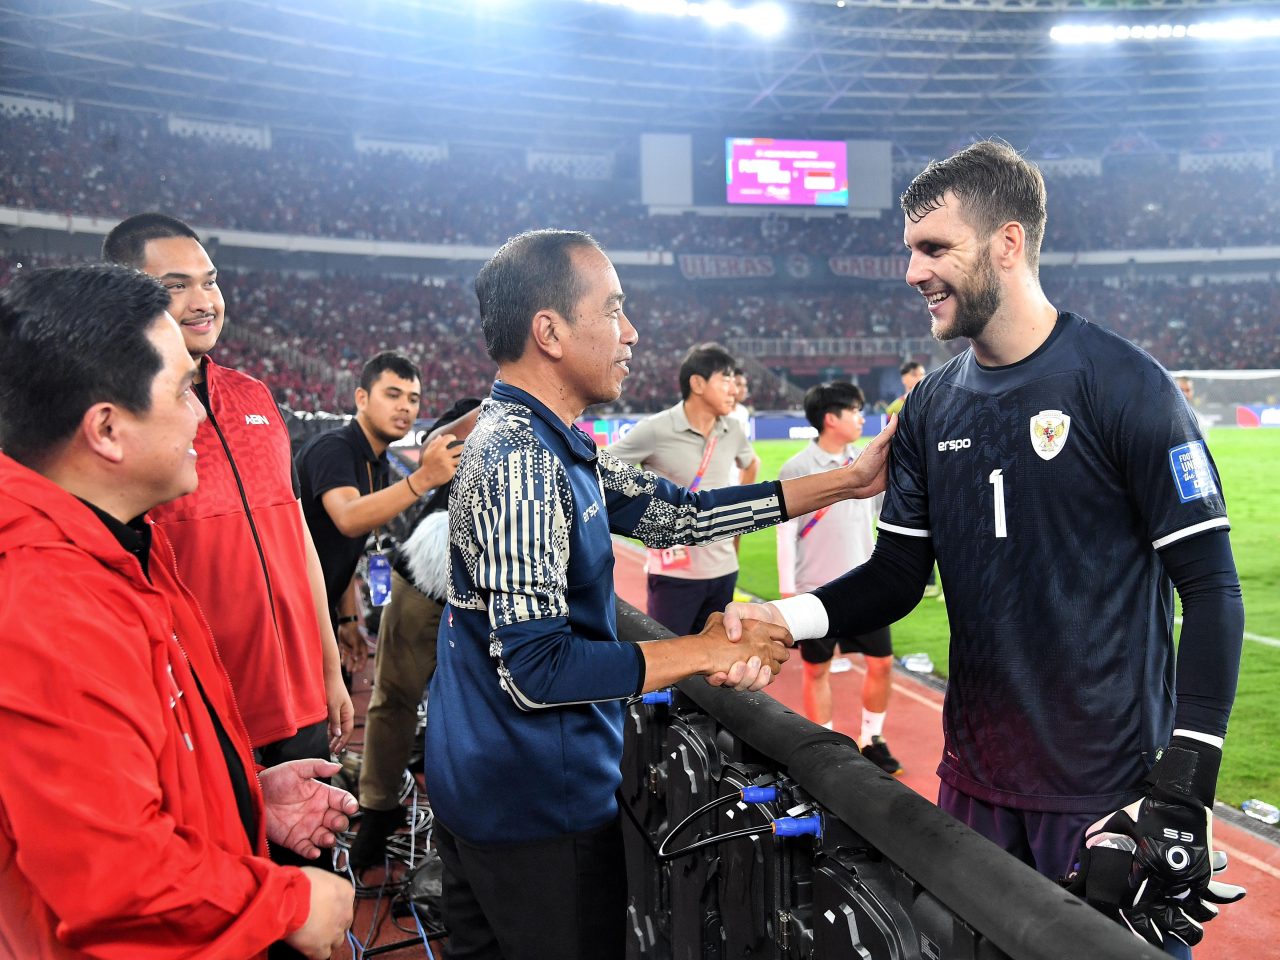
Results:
521 520
865 477
879 592
355 515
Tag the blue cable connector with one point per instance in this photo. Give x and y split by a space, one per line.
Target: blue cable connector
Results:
797 827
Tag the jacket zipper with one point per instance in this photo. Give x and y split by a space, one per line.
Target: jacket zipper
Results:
235 703
248 513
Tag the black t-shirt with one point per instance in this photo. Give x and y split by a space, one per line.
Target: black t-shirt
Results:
338 458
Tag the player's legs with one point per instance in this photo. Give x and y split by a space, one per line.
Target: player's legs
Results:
878 683
815 682
558 899
877 648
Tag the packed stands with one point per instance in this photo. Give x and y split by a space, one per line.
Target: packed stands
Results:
308 335
113 164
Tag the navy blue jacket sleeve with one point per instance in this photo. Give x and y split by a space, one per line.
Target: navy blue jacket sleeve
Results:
521 528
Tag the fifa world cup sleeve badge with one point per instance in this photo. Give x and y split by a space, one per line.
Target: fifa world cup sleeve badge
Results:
1049 429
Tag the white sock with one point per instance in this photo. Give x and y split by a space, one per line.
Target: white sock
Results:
872 725
829 724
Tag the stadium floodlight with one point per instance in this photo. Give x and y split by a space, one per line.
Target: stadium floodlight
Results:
766 19
1239 28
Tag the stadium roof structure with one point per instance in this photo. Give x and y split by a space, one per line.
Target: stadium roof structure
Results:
927 75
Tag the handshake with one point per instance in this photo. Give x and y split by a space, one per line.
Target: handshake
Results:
745 647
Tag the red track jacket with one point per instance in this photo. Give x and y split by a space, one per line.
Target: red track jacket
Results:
116 840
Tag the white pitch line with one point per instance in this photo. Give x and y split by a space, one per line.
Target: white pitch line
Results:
905 690
1255 637
1236 854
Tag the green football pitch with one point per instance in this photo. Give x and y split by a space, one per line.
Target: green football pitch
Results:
1249 464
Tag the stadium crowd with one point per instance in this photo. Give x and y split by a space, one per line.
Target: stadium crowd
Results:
285 325
108 165
300 333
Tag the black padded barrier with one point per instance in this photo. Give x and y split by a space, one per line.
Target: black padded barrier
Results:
891 878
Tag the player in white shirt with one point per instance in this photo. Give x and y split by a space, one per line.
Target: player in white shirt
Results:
818 547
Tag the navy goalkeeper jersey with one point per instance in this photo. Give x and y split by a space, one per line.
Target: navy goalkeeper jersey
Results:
1048 488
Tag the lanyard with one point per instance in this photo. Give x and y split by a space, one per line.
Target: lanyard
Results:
702 467
813 521
377 537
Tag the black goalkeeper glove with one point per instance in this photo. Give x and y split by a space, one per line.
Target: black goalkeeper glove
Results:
1149 865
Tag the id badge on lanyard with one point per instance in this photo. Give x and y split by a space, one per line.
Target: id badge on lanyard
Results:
377 566
678 557
378 576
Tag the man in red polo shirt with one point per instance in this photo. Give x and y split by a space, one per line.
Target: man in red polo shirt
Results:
241 544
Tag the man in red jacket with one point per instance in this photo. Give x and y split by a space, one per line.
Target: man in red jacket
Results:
132 821
242 546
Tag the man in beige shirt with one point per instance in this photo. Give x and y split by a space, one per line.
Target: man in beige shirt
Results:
697 445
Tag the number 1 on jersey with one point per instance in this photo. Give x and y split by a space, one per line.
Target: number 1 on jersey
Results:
997 480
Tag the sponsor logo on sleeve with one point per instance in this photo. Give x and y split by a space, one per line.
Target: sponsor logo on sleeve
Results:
1049 429
1192 474
255 420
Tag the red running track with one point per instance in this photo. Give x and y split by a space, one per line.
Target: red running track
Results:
913 729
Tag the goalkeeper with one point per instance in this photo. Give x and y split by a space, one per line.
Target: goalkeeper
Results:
1062 483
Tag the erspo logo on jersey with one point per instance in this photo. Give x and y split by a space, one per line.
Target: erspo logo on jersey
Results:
945 445
1049 429
1191 471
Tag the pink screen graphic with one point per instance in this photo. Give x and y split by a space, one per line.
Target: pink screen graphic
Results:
811 173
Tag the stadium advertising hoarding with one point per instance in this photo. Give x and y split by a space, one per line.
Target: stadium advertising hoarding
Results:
805 173
798 266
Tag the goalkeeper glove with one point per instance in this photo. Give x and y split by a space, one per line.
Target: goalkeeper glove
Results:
1165 888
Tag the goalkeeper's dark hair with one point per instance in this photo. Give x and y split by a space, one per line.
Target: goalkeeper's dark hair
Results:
994 185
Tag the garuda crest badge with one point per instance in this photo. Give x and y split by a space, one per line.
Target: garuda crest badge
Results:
1049 429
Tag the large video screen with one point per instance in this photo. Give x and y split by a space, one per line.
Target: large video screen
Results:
807 173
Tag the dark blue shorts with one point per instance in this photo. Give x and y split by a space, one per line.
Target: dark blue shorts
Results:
877 643
1047 842
682 606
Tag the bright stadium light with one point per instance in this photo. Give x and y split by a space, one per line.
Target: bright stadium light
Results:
766 19
1236 29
